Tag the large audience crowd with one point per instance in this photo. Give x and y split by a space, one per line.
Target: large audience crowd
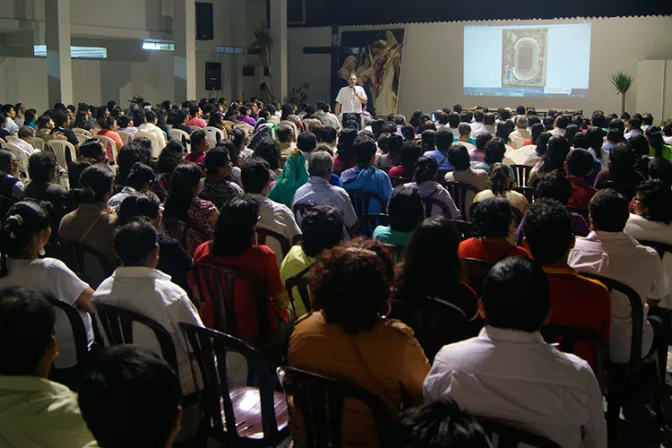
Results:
439 263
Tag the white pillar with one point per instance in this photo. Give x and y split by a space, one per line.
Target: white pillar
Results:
184 63
59 63
279 51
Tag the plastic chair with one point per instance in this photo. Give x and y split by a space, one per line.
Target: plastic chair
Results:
361 201
118 327
463 228
110 147
510 437
242 415
214 135
458 191
367 224
79 257
181 136
83 132
528 192
475 272
264 234
522 173
20 154
126 137
321 401
397 181
661 248
300 282
62 149
430 203
38 143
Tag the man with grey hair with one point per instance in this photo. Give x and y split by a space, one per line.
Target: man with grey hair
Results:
318 190
521 133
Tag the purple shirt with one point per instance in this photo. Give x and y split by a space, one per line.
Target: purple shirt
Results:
247 119
579 228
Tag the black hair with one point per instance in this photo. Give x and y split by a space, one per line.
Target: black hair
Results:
21 223
405 209
547 217
579 163
443 139
609 211
516 295
500 181
647 119
494 151
322 228
138 206
92 149
426 169
255 175
410 153
139 175
128 156
184 181
197 137
134 241
615 135
661 169
235 227
124 121
580 141
285 133
130 397
482 140
238 137
329 134
269 150
556 154
107 122
503 132
216 158
171 156
617 124
656 196
407 132
454 119
60 118
30 115
95 182
194 109
548 122
26 330
553 185
535 131
489 119
562 122
7 108
307 142
41 166
635 122
459 158
596 140
621 162
492 218
365 148
428 140
654 135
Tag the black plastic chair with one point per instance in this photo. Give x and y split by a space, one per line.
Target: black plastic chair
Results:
177 230
458 191
118 327
522 173
528 192
366 224
397 252
430 203
320 401
475 272
397 181
509 437
463 228
264 234
78 257
219 283
242 415
300 282
361 201
70 376
661 248
619 373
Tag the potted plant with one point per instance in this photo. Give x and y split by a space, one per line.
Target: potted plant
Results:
622 82
263 41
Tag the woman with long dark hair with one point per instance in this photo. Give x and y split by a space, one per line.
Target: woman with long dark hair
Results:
621 171
345 158
654 135
554 158
500 186
425 180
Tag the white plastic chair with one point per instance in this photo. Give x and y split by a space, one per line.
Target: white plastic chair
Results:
181 137
214 135
3 144
156 143
82 131
110 147
38 143
23 161
60 148
9 138
126 137
82 138
249 130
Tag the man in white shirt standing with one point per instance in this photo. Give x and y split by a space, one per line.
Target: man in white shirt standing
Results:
510 374
350 99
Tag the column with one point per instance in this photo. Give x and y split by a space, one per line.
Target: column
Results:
59 63
184 62
279 51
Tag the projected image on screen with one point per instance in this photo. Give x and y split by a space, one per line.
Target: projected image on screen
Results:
527 61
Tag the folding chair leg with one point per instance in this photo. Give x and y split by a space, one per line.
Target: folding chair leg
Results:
615 400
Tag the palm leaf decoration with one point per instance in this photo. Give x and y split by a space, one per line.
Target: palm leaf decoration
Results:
622 82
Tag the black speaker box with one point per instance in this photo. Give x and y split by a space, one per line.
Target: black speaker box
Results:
205 26
213 76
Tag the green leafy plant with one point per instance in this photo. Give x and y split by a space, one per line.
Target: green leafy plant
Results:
298 95
263 41
622 82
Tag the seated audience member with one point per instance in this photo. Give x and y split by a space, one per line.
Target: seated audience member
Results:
424 180
345 158
62 128
108 129
329 138
181 119
131 397
554 158
459 158
654 135
22 142
443 139
286 139
217 188
294 174
184 204
139 150
233 246
500 186
640 146
139 183
560 127
365 176
575 301
431 270
272 215
322 229
351 283
406 212
25 233
392 158
147 124
661 169
521 154
634 126
199 146
138 286
318 191
196 114
437 425
621 170
667 133
90 153
30 121
45 124
595 141
492 220
269 150
125 124
92 224
611 253
494 153
579 165
10 184
518 137
42 170
410 153
464 137
539 150
239 139
34 412
502 373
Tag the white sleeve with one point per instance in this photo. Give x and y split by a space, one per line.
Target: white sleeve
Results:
362 92
339 97
63 283
661 287
183 310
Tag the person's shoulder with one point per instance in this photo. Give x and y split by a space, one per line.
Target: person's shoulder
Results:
397 329
592 287
202 252
54 265
260 251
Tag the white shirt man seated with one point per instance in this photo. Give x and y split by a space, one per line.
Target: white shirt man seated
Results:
139 287
148 128
510 374
318 190
610 252
521 133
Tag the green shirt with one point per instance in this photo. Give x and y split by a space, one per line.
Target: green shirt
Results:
386 235
667 152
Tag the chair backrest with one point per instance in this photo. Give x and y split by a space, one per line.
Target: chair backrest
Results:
361 201
300 282
397 181
82 131
458 191
177 230
219 283
510 437
245 127
366 224
320 401
60 148
462 227
126 137
78 329
180 136
156 142
430 203
23 160
264 234
528 192
210 350
475 272
522 173
110 147
118 327
214 135
38 143
10 138
78 257
661 248
397 252
637 312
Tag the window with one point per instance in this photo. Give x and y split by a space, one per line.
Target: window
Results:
75 52
158 45
230 50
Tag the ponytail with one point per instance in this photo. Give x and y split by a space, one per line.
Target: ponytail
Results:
23 221
95 182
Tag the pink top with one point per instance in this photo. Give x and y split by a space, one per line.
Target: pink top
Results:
197 122
198 158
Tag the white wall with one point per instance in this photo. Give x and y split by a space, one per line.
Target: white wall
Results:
432 69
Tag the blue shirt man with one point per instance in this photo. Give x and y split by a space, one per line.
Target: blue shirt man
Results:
443 138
